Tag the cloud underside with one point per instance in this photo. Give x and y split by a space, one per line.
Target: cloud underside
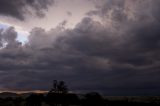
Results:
20 8
122 57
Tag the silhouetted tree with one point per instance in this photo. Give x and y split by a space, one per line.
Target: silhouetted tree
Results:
62 88
55 84
59 96
59 87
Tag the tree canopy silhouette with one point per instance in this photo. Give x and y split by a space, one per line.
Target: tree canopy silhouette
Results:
59 87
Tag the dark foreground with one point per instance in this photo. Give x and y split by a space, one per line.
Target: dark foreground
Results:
70 99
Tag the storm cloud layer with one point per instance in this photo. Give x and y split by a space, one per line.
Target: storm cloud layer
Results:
118 55
19 8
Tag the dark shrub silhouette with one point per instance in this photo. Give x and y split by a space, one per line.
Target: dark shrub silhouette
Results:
93 99
34 100
54 99
18 101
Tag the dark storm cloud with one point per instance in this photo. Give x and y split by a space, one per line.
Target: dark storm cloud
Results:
8 38
121 59
18 8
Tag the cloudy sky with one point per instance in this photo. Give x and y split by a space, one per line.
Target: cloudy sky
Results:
108 46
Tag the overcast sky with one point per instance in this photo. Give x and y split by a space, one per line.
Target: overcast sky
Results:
108 46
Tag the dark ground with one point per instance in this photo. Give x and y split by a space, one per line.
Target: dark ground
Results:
90 99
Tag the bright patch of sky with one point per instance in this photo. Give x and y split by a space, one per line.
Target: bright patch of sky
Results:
69 11
3 26
22 35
